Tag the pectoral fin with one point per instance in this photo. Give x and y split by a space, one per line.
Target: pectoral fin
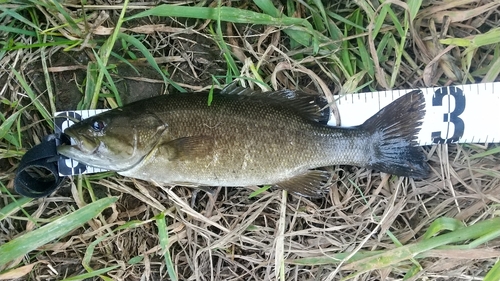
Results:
313 183
187 147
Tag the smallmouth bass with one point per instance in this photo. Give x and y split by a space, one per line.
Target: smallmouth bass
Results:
246 138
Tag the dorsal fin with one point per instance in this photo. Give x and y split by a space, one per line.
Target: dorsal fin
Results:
235 89
311 107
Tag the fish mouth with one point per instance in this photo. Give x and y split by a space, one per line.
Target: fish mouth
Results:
78 143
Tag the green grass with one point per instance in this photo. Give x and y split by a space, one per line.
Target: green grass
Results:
163 235
349 47
361 262
30 241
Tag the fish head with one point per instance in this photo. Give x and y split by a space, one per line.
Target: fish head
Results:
114 140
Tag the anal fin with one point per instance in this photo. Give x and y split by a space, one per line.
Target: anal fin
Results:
313 183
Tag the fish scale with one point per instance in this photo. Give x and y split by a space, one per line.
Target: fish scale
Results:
236 139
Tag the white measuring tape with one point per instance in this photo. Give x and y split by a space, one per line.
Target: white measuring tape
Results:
454 114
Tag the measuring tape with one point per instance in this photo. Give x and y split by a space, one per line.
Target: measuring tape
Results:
454 114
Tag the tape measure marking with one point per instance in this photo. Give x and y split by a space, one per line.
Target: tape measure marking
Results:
454 114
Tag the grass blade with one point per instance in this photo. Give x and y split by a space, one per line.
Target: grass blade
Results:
259 191
30 241
229 14
333 259
91 274
67 17
112 86
105 53
39 106
9 29
136 43
441 224
223 46
414 7
488 152
90 83
489 228
7 124
163 234
494 273
298 29
14 14
13 207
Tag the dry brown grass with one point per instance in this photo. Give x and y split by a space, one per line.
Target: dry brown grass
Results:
227 235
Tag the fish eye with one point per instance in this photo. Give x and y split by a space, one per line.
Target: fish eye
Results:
98 126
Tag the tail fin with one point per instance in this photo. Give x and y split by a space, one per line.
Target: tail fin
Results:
394 130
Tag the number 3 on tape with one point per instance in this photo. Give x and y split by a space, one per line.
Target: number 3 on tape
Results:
451 117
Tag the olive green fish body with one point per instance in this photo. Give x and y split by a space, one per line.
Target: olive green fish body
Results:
241 140
236 143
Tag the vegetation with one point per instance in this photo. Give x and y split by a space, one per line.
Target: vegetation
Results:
59 55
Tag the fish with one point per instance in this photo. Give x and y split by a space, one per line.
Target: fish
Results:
239 137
